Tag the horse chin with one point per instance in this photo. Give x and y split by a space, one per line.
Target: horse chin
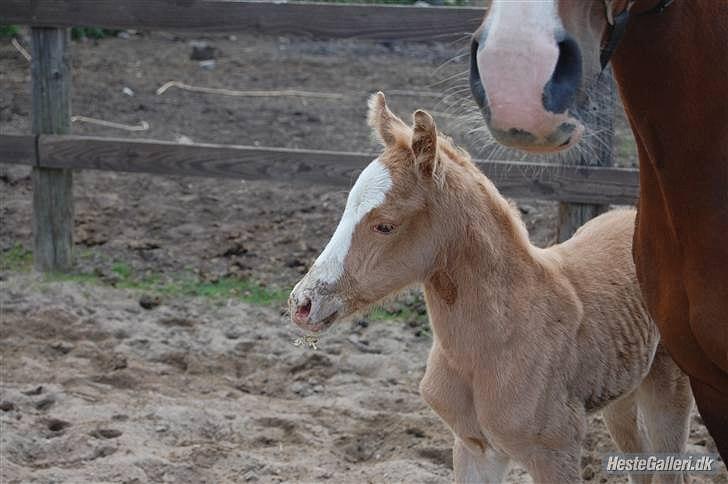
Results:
548 146
548 150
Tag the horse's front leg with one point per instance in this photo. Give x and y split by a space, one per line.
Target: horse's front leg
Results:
474 459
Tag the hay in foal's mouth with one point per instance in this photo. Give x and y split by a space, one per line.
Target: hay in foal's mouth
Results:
308 341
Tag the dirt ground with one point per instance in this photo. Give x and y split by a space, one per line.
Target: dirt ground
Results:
96 388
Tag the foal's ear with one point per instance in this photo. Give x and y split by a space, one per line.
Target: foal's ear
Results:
424 143
385 123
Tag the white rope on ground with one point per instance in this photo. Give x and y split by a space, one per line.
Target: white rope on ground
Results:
232 92
20 49
284 92
142 126
395 92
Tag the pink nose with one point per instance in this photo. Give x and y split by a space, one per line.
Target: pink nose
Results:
302 312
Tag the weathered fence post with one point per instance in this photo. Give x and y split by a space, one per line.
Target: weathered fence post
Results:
52 187
599 115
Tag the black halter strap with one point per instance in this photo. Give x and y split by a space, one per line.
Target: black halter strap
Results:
616 29
659 8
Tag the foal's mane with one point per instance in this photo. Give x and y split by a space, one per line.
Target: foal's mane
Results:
448 151
458 172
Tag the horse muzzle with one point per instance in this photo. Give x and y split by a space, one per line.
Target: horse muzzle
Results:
525 89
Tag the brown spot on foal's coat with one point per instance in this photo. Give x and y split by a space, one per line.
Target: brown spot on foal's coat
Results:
444 286
477 443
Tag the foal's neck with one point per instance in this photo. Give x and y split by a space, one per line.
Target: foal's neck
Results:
488 259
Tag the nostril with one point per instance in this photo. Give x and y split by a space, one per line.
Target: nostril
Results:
560 91
477 88
303 310
476 85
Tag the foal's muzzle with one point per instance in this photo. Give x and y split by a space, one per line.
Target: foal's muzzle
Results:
314 306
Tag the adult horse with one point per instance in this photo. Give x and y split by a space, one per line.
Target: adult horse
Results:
531 65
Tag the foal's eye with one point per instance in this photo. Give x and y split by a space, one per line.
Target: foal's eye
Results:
384 228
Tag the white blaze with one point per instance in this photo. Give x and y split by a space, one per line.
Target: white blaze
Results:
368 192
524 14
517 60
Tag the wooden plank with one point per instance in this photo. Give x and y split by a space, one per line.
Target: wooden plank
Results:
318 20
17 150
515 179
601 120
229 161
564 183
52 187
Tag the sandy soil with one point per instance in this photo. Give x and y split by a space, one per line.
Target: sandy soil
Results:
97 389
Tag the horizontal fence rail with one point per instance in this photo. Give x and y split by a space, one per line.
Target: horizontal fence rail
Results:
565 183
18 149
318 20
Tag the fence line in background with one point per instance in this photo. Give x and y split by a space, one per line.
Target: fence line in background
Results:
318 20
565 183
584 189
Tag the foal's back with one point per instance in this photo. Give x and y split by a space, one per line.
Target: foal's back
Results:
617 339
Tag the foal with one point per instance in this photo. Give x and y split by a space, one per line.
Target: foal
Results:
527 341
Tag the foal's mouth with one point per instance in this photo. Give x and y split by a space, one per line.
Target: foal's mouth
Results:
320 325
314 308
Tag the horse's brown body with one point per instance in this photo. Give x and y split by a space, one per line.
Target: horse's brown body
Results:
533 65
672 71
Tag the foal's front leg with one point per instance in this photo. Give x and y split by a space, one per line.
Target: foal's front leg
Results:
487 466
474 460
548 466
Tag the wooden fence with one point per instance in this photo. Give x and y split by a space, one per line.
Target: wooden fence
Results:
584 189
319 20
573 184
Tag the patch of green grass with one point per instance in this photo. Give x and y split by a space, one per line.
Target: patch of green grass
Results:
245 290
407 310
20 259
381 314
186 284
79 33
17 258
8 31
403 312
79 277
122 270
